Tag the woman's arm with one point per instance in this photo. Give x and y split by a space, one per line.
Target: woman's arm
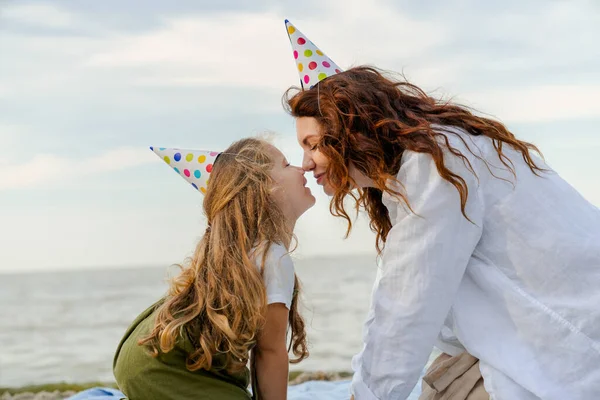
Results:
271 356
424 261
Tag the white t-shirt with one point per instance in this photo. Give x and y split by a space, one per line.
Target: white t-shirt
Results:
278 275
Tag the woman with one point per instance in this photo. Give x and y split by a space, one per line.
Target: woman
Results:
487 250
238 292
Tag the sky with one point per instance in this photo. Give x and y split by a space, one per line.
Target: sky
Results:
86 86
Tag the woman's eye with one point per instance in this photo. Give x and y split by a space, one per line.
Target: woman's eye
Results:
314 147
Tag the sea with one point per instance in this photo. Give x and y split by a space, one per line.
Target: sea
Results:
65 325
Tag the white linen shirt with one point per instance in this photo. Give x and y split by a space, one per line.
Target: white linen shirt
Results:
517 287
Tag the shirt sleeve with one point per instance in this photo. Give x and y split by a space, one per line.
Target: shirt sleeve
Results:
279 276
425 258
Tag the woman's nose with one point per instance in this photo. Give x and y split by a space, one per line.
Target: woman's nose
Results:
307 163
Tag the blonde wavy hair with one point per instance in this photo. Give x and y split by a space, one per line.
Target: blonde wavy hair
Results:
219 298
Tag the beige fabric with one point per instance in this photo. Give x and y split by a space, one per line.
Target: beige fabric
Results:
454 378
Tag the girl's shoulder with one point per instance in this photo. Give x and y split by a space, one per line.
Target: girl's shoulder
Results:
275 253
279 275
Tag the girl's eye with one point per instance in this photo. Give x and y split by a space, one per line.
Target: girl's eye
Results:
313 148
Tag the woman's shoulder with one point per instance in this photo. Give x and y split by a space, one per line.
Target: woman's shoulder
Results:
471 146
462 151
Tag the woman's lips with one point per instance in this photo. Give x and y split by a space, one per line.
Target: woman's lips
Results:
319 177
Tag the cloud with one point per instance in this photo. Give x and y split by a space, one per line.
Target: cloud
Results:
10 133
190 72
524 62
249 51
112 77
252 49
39 15
538 103
224 50
46 168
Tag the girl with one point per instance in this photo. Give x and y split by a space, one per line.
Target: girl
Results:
237 294
487 250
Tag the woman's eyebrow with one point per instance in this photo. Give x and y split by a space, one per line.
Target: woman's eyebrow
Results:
305 141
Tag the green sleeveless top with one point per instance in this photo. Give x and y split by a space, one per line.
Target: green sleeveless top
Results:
141 376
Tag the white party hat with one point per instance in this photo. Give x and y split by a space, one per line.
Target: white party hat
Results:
313 65
194 166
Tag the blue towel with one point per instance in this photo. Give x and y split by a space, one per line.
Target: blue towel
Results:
98 394
323 390
320 390
311 390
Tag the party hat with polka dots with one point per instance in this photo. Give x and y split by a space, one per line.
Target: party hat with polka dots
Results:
313 65
194 166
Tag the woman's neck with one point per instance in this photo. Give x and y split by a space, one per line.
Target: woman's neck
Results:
361 180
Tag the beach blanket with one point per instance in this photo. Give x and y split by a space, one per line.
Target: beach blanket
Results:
98 394
311 390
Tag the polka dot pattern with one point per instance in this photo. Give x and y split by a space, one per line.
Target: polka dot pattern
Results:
313 65
194 166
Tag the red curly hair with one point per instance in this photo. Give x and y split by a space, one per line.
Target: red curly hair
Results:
368 120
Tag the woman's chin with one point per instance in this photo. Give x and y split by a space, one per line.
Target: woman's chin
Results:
328 190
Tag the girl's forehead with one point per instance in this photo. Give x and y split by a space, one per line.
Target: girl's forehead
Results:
275 153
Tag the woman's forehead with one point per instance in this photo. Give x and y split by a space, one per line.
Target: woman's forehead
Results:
307 128
308 125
